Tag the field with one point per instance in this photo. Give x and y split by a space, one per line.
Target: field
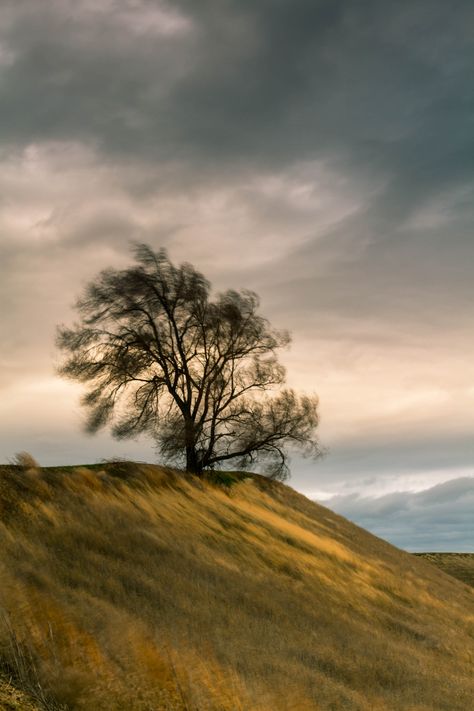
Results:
131 586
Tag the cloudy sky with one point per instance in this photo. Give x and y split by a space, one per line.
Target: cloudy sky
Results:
318 152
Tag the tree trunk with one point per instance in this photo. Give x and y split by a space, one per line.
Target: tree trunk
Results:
193 461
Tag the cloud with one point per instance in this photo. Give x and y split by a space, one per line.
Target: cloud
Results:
319 153
230 84
435 519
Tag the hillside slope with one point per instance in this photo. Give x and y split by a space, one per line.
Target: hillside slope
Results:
459 565
136 587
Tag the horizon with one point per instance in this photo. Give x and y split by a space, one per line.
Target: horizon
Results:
320 154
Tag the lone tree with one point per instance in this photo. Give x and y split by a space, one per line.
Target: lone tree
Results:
160 357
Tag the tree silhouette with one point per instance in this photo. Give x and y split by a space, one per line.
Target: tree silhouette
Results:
160 357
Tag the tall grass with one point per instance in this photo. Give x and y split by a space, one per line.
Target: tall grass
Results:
134 587
459 565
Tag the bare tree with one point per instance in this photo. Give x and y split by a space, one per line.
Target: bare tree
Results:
161 358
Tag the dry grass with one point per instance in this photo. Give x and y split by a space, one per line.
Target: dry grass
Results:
134 587
459 565
24 460
12 699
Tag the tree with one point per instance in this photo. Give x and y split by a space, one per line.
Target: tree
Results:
160 357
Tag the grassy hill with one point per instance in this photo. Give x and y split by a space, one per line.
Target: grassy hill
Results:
460 565
130 586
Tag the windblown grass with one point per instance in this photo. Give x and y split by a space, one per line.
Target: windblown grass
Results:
135 587
12 699
459 565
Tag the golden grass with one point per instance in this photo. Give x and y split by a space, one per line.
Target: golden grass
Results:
135 587
459 565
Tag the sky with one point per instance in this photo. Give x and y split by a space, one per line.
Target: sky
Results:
320 153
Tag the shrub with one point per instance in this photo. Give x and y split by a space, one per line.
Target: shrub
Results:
25 460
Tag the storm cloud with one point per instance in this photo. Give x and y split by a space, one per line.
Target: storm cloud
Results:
320 153
435 519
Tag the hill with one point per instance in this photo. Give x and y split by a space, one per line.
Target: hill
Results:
131 586
459 565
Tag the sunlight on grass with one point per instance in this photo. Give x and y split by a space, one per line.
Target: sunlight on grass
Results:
134 586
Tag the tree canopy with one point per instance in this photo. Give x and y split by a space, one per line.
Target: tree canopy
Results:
159 356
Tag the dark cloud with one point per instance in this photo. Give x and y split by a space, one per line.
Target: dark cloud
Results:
436 519
318 151
262 83
378 91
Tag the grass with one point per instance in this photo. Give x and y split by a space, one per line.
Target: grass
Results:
131 586
459 565
12 699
